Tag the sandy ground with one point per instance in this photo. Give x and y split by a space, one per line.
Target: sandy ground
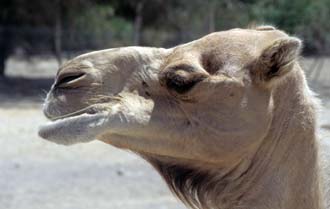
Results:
36 174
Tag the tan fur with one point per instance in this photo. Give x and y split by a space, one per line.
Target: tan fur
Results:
227 120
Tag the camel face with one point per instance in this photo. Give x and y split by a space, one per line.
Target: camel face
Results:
209 100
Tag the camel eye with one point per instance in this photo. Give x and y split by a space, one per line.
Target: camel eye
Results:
181 79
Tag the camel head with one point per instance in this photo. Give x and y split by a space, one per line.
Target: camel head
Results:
207 102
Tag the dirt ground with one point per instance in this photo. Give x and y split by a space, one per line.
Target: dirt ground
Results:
36 174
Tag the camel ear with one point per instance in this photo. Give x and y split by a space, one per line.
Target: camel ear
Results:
276 60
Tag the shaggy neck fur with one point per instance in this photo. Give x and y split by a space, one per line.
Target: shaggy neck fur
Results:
275 177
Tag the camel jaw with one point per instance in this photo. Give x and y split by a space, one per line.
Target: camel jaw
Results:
76 127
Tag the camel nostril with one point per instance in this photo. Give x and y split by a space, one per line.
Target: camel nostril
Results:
64 80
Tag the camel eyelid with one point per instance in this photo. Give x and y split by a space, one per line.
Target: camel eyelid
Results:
184 67
66 78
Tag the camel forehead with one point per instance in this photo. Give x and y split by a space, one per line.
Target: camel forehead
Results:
236 46
235 40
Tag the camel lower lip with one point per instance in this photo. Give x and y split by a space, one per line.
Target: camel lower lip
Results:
76 126
62 131
49 127
58 124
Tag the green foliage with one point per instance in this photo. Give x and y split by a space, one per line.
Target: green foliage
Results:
308 19
95 24
286 14
315 29
104 29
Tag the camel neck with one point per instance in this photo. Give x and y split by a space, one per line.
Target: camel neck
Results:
288 156
284 172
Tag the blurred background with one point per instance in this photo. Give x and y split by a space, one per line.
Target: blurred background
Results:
36 36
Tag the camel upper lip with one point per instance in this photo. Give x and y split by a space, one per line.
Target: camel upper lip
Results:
91 109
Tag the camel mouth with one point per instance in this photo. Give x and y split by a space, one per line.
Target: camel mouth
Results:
92 109
57 127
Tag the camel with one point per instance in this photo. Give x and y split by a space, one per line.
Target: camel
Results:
227 120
